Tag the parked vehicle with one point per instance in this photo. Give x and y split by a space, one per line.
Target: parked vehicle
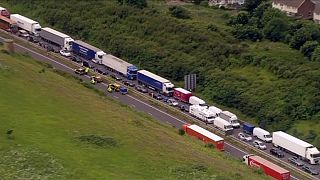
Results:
262 134
268 167
33 39
303 149
76 59
116 64
172 102
184 108
182 94
87 64
8 25
155 96
310 170
161 85
123 90
193 100
222 124
201 113
115 77
56 38
97 79
204 135
244 137
128 83
115 87
65 53
80 71
141 89
258 144
296 161
101 71
277 152
87 51
231 118
215 110
4 12
23 33
248 128
31 26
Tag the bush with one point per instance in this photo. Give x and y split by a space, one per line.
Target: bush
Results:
181 132
99 141
210 146
179 12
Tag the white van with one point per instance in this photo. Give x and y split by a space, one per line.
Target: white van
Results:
262 134
215 110
231 118
222 124
193 100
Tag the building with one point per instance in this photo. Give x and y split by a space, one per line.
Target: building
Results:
299 8
226 3
316 14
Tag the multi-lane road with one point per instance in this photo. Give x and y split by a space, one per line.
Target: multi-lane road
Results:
134 102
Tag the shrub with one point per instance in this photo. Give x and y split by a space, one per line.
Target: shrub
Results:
181 132
179 12
210 146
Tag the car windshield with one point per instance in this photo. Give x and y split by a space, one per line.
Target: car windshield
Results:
210 117
315 155
268 136
133 72
169 89
247 136
234 122
228 127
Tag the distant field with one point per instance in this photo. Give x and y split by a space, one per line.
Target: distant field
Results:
62 130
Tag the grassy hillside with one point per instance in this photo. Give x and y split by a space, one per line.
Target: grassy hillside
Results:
62 130
264 82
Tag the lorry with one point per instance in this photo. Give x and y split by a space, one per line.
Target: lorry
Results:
267 167
182 94
215 110
248 128
116 64
4 12
87 51
231 118
193 100
8 25
57 38
201 113
204 135
290 143
155 82
262 134
223 125
31 26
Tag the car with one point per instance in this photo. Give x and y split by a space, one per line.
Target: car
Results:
115 87
80 71
184 108
158 97
49 48
97 79
141 89
172 102
115 77
56 50
23 33
128 83
87 64
258 144
244 137
101 71
296 161
310 170
76 59
277 152
33 39
65 53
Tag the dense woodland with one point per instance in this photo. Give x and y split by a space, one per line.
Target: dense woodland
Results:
244 59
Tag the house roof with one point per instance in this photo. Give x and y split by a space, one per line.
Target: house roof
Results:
291 3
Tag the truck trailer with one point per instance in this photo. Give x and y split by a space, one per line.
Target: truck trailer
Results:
231 118
8 25
33 27
4 12
268 167
155 82
303 149
215 110
193 100
116 64
182 94
201 113
204 135
87 51
248 128
57 38
223 125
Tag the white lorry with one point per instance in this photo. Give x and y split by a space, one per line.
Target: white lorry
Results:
215 110
33 27
201 113
193 100
222 124
231 118
55 37
303 149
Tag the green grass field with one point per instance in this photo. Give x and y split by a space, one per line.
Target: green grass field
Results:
62 130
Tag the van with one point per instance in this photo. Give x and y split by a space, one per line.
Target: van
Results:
262 134
222 124
215 110
193 100
231 118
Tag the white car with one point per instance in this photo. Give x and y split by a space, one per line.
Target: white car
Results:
65 53
244 137
172 102
23 33
258 144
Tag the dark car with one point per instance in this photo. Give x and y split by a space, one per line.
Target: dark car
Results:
296 161
184 108
33 39
76 59
128 83
116 77
87 64
310 170
101 71
158 97
141 89
80 71
277 152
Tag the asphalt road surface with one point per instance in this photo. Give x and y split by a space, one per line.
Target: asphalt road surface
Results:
132 101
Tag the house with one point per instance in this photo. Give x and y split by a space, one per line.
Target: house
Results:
226 3
316 14
300 8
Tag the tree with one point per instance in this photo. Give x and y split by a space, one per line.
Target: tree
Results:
247 32
179 12
308 48
300 37
316 54
250 5
276 29
136 3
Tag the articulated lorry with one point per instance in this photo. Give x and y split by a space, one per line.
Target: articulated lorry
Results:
303 149
87 51
31 26
57 38
182 94
116 64
194 100
155 82
231 118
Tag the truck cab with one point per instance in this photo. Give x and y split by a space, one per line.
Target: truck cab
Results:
36 28
98 57
313 155
167 89
132 72
68 44
231 118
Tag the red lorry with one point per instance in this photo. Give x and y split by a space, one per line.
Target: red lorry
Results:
8 25
204 135
4 12
182 94
268 167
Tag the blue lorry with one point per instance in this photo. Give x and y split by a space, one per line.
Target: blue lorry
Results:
248 128
87 51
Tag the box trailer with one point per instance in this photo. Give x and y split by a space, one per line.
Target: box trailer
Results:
231 118
223 125
155 82
268 167
33 27
8 25
116 64
57 38
201 113
248 128
215 110
204 135
193 100
303 149
87 51
4 12
182 94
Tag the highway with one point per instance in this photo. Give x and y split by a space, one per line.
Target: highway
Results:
131 101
